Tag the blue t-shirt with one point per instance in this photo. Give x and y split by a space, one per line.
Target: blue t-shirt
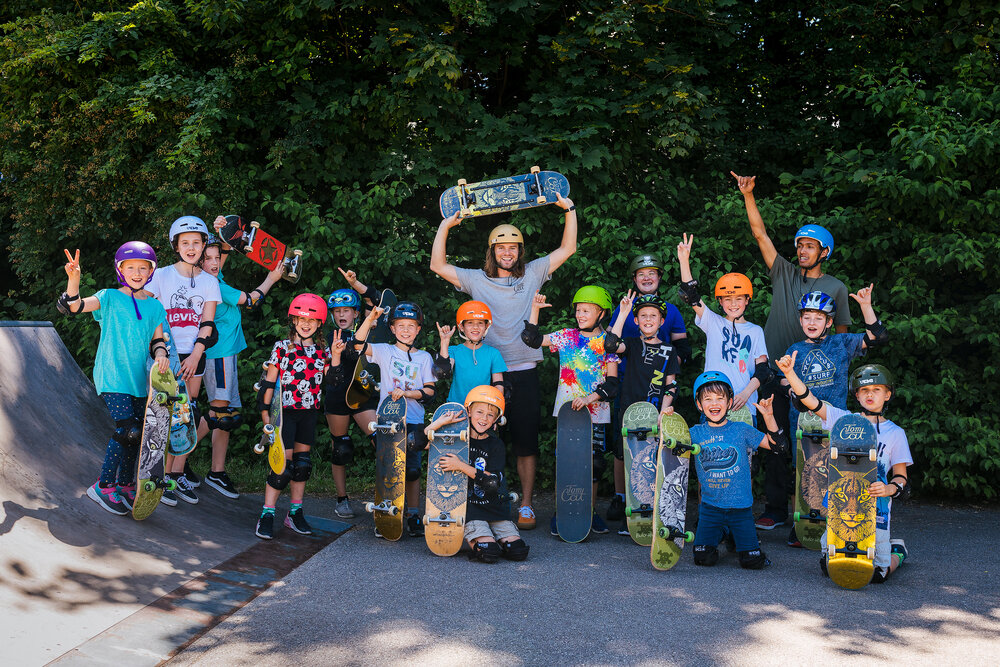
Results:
120 364
473 369
229 323
673 323
824 366
724 463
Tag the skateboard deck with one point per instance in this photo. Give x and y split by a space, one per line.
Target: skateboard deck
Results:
270 439
365 379
812 458
639 431
850 529
574 473
447 492
390 468
503 194
183 430
741 415
150 480
673 465
261 247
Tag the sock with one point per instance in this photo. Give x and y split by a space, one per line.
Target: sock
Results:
267 510
295 508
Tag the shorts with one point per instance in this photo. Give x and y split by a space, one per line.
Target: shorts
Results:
416 440
712 522
524 411
498 530
198 372
221 382
298 426
335 403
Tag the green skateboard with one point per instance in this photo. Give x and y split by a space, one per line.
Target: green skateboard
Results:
639 431
672 467
812 457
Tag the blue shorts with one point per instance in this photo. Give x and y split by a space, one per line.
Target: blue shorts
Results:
714 522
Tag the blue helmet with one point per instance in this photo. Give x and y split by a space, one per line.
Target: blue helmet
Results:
819 234
712 376
817 300
344 298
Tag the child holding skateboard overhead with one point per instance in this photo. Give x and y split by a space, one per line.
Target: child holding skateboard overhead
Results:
588 372
734 346
190 297
473 362
301 364
723 466
488 530
873 388
406 373
131 330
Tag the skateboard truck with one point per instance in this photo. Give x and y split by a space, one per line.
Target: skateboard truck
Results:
679 448
266 440
813 516
851 549
671 533
444 518
854 456
154 483
389 428
467 199
642 510
640 433
385 506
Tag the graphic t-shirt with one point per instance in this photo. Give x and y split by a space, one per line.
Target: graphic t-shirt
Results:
823 367
732 351
488 455
724 463
646 368
120 364
583 364
184 302
404 371
229 323
473 368
301 369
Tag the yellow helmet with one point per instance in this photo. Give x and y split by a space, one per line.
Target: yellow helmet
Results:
505 234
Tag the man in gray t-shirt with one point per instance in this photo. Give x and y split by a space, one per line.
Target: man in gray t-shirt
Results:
507 285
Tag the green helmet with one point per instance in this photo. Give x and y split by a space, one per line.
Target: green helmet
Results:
593 294
645 261
870 374
647 300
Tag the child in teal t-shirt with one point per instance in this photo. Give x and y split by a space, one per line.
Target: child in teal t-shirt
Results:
474 362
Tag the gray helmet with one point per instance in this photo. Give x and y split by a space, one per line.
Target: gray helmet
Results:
645 261
870 374
188 223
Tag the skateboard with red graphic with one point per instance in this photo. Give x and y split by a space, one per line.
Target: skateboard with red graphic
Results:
261 247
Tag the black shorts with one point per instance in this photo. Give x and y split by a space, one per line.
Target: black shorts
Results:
617 443
298 426
335 403
201 364
524 411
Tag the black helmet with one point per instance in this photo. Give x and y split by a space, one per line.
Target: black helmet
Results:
645 300
406 310
870 374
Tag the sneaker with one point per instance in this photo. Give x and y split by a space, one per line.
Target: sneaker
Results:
184 490
265 526
220 482
127 494
822 566
296 520
168 498
623 528
899 548
768 521
343 509
378 534
597 525
616 510
526 518
552 527
192 478
793 539
107 498
414 525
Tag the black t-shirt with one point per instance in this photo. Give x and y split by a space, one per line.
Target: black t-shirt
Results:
488 455
646 366
340 380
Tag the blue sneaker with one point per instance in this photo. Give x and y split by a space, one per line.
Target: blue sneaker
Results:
597 525
108 498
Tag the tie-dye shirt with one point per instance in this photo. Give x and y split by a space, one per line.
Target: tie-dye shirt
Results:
583 365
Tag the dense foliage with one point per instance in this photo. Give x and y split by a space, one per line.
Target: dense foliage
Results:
337 124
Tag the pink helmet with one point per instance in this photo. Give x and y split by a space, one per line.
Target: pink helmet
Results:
308 305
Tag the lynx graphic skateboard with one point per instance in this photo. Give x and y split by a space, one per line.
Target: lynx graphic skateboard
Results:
850 528
183 430
364 380
639 430
673 464
503 194
390 468
261 247
150 480
447 492
812 457
270 439
574 473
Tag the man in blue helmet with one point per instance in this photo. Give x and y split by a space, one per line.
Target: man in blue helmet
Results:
813 246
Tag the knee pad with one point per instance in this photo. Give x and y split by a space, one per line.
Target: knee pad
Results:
485 552
342 450
372 439
414 463
128 432
706 555
225 419
515 549
301 466
279 482
753 560
416 440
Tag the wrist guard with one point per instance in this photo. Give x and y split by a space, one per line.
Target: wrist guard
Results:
683 348
902 490
252 301
63 304
155 344
262 388
442 367
608 389
779 441
688 293
531 336
612 342
371 294
504 386
879 335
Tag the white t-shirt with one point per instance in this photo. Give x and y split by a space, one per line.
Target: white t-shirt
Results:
183 302
732 352
402 372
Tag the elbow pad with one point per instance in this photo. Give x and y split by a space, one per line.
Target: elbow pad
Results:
779 441
902 490
426 394
762 371
531 336
683 347
688 293
487 482
213 336
608 389
612 342
442 367
253 300
879 334
63 304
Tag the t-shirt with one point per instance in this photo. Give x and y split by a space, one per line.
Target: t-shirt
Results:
724 463
787 287
823 367
473 368
301 369
732 351
893 448
348 360
229 323
488 455
403 371
673 323
646 367
120 364
184 303
583 364
509 300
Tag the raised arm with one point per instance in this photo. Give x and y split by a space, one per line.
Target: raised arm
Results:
68 302
764 242
439 254
875 331
568 246
689 288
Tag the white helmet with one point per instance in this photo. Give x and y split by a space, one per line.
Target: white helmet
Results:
188 223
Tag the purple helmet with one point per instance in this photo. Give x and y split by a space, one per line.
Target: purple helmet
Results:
134 250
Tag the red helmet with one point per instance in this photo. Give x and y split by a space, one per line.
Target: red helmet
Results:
308 305
474 310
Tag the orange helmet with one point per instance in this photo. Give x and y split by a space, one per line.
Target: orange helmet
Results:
734 284
486 393
474 310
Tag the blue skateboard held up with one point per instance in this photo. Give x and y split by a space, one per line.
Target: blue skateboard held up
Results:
503 194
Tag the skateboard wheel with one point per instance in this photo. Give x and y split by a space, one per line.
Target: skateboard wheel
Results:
182 398
426 519
872 454
628 511
372 426
148 486
255 224
268 429
170 484
871 553
297 253
656 430
256 386
514 497
430 434
542 200
464 435
798 434
535 169
662 532
833 453
369 507
462 181
624 432
393 511
695 450
460 521
161 397
796 516
394 428
258 448
688 536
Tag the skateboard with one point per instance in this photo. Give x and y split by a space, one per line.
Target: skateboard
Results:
574 473
741 415
183 433
447 492
270 439
390 468
503 194
261 247
812 457
150 480
639 422
673 464
364 381
850 528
